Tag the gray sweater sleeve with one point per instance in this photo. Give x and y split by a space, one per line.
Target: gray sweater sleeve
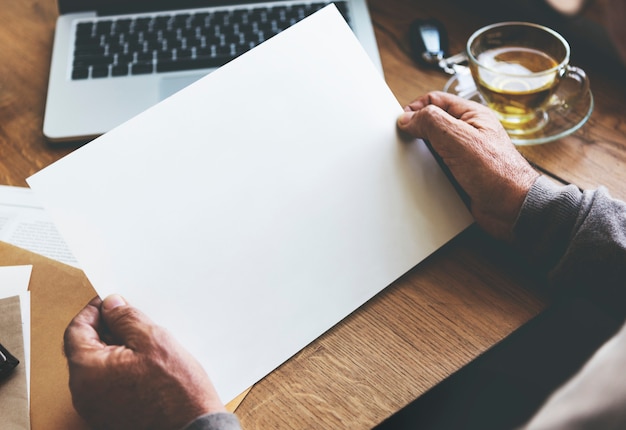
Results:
215 421
577 238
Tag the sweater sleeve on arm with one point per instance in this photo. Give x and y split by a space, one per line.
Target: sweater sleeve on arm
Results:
546 222
215 421
577 238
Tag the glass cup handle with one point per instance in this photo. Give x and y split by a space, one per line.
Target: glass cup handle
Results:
572 86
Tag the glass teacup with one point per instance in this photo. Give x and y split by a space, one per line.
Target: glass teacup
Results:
522 71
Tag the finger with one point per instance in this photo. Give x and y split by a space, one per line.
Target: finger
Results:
83 331
433 123
418 103
454 105
127 325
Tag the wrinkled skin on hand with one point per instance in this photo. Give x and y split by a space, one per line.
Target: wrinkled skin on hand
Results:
479 153
128 373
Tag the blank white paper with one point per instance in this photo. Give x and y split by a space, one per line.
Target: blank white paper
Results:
258 207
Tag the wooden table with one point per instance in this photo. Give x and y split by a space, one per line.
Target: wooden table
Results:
439 316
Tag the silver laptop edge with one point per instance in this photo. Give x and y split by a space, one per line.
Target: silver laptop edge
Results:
75 110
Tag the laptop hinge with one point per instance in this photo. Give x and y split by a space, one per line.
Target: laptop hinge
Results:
116 7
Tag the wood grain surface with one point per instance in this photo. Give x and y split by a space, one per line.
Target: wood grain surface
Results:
436 318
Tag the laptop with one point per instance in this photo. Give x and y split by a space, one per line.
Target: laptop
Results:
112 59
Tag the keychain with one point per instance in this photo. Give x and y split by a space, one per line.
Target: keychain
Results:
429 46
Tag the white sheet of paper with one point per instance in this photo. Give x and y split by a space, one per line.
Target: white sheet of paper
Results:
14 281
255 209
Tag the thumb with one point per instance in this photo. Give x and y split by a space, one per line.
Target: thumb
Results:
113 301
405 120
127 325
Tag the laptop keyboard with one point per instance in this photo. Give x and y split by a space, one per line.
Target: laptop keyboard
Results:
109 47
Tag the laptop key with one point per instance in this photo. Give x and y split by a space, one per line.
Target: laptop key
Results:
184 54
165 55
100 71
124 58
144 57
120 70
193 63
141 68
122 25
84 29
80 72
142 24
103 27
92 60
89 50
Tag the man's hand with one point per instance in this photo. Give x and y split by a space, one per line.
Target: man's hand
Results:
128 373
479 153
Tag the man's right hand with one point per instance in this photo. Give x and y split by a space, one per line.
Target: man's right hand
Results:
479 153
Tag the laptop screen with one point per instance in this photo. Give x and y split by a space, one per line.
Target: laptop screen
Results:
107 7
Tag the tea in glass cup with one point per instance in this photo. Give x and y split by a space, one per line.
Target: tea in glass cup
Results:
521 71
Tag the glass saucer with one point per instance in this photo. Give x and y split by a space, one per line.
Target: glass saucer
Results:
561 122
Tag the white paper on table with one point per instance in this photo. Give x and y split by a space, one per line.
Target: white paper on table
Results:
14 281
255 209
